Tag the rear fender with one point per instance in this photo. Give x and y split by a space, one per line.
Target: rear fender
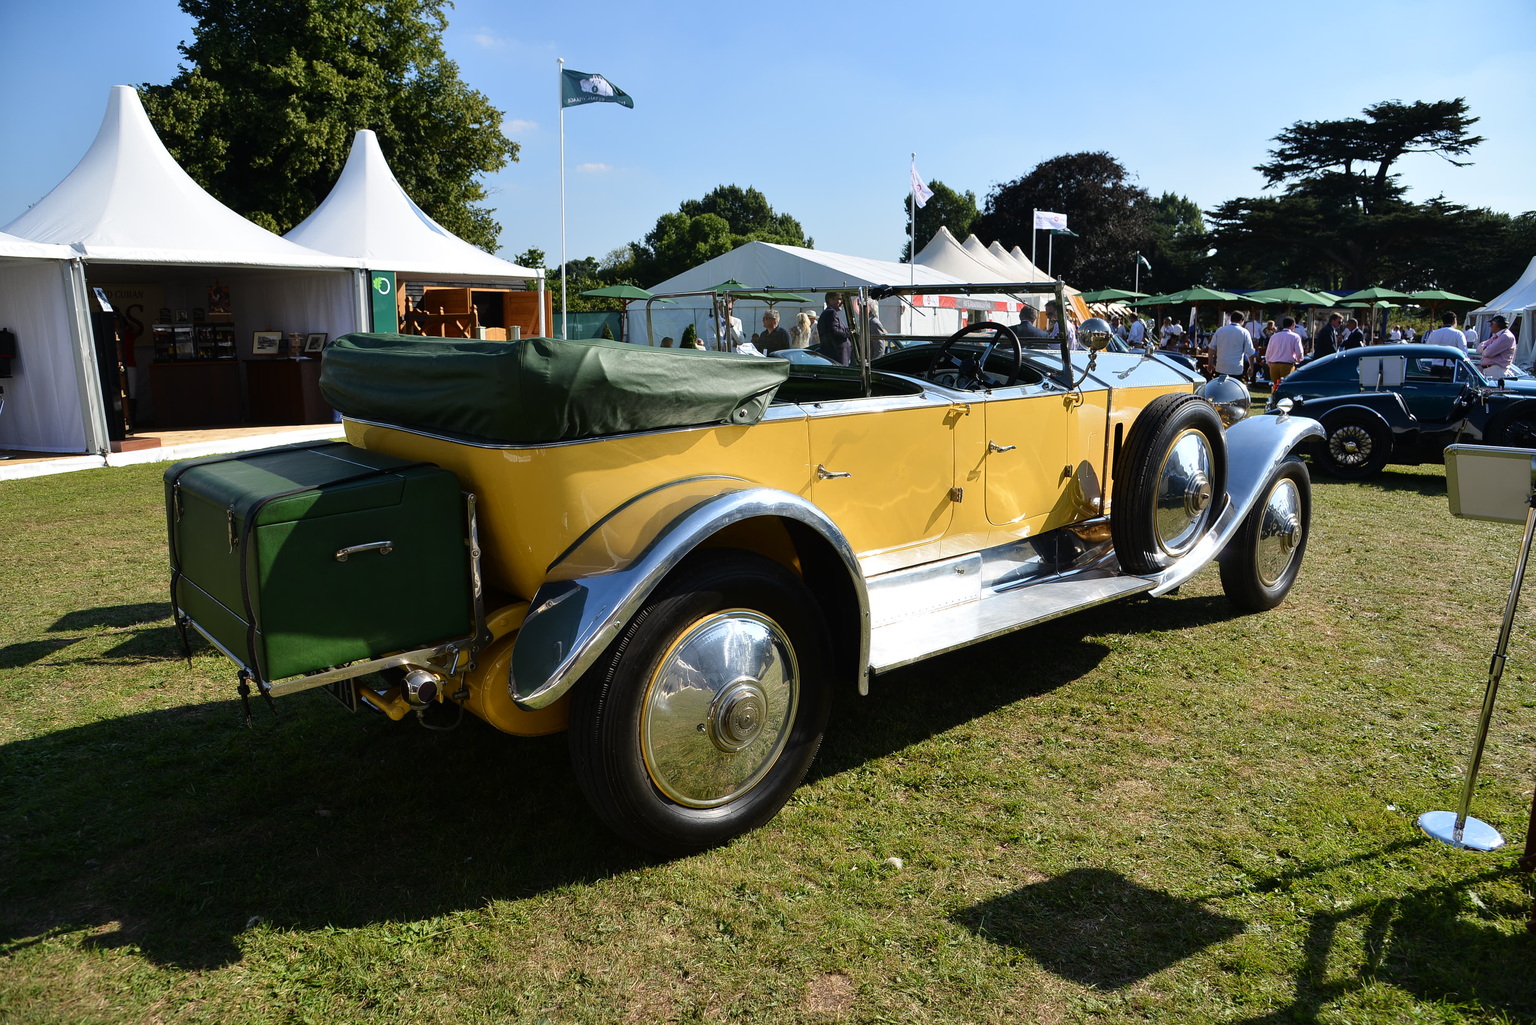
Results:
598 584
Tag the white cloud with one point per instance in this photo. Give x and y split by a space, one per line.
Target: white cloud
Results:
594 168
488 40
516 126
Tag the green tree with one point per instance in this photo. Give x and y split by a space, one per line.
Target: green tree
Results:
946 208
1179 243
1343 219
703 229
264 113
1111 217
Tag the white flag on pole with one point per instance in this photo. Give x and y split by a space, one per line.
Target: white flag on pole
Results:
921 193
1047 221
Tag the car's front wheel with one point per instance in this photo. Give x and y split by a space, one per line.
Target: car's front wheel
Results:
1356 446
1260 563
708 709
1170 482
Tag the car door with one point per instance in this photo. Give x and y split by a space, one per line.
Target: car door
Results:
883 468
1027 466
1431 388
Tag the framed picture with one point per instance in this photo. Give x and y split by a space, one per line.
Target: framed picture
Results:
314 341
266 343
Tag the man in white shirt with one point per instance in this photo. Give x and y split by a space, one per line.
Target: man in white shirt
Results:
1447 333
1231 347
728 335
1138 336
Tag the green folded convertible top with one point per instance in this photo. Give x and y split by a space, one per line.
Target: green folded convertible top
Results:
542 389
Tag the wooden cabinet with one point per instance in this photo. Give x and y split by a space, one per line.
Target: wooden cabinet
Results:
286 391
193 393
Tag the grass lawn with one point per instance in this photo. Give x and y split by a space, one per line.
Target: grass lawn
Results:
1153 811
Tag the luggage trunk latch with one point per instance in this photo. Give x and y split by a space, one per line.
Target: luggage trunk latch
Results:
382 547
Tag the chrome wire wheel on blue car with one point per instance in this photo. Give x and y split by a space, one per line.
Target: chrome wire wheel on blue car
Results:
1356 446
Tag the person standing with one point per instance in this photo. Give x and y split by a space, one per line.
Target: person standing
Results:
1498 352
832 328
773 336
1447 333
800 335
1283 352
1137 338
1354 338
1328 336
1231 348
1026 329
727 333
876 329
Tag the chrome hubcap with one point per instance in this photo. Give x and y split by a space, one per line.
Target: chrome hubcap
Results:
1185 493
718 709
1280 532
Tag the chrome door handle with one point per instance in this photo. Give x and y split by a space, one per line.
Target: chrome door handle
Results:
826 474
993 446
382 547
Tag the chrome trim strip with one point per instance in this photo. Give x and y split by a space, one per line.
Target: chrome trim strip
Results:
573 618
1255 447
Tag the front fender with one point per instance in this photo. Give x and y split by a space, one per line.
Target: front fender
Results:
592 590
1256 446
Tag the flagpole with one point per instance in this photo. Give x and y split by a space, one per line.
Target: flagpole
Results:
912 231
1137 286
560 94
1034 236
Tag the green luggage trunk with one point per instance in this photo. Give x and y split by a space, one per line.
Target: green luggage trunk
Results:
307 557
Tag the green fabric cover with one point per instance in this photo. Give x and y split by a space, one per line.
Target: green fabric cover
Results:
542 389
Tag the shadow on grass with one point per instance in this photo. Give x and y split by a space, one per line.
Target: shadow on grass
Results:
1393 479
1097 928
1439 943
173 830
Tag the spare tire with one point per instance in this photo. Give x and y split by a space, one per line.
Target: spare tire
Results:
1170 482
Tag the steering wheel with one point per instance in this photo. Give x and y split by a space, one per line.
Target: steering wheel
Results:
968 372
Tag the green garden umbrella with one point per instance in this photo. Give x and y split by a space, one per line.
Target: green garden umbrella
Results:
1290 297
1110 295
1439 295
1372 294
629 293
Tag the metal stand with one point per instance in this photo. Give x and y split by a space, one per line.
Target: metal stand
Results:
1458 830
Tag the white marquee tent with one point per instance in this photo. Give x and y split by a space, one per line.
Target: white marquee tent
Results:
1519 300
135 217
765 265
369 218
42 301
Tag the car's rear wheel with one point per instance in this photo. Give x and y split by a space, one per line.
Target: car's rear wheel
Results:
708 709
1170 482
1261 562
1356 446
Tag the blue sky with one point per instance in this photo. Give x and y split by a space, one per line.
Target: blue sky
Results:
819 106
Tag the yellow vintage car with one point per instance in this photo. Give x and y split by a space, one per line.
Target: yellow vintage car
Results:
678 556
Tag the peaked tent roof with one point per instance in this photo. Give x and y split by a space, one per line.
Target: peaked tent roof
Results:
128 201
1516 298
945 254
368 217
766 264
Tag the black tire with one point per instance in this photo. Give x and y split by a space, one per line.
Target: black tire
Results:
1357 446
1261 562
705 714
1170 482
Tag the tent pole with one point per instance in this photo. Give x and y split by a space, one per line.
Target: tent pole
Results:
1034 238
560 97
93 410
543 319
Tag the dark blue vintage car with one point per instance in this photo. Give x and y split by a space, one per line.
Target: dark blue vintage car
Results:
1404 404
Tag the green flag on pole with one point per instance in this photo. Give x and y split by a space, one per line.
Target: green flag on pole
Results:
580 87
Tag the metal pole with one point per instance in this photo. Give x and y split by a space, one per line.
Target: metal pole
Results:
1137 286
912 228
560 87
1034 237
1483 836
